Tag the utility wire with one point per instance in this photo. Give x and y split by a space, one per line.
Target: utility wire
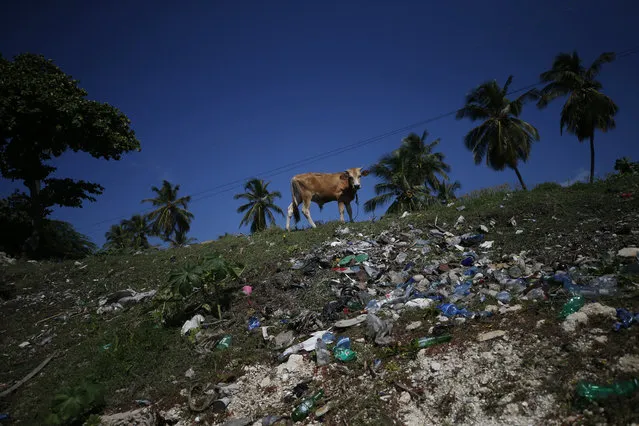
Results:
229 186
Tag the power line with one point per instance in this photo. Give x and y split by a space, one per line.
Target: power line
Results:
229 186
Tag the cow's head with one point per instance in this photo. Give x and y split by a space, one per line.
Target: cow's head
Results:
352 176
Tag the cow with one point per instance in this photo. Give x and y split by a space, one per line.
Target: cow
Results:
323 188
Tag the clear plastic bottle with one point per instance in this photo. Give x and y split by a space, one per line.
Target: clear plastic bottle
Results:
322 354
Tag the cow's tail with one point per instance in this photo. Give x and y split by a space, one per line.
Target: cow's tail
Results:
295 192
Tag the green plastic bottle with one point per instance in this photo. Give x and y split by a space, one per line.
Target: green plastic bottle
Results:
225 342
301 411
425 342
572 305
591 391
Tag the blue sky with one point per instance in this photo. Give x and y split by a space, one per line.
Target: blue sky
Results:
221 91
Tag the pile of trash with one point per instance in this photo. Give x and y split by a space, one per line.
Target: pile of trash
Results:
376 280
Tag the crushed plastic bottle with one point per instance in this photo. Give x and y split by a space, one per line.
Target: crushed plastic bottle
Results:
253 323
328 337
322 354
225 342
592 391
344 354
425 342
572 305
304 409
503 297
290 351
468 261
626 319
373 306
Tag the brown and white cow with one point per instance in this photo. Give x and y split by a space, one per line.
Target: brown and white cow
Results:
323 188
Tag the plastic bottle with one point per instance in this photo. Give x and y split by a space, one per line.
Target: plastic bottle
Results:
503 296
425 342
322 354
289 351
591 391
225 342
303 410
572 305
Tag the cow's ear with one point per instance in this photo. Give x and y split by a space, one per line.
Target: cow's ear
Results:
344 176
365 172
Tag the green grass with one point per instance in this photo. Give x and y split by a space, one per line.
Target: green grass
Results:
146 361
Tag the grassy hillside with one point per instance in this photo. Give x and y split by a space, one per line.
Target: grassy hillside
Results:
53 307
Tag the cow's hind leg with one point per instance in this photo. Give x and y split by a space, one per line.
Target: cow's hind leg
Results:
349 210
289 216
306 209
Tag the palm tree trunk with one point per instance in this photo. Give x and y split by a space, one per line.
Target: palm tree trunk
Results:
521 180
592 157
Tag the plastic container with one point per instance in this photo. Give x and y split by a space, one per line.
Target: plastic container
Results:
425 342
304 409
592 391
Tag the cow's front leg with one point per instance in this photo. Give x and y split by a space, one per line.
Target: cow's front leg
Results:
349 210
340 205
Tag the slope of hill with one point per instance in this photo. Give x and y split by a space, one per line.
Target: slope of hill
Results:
521 364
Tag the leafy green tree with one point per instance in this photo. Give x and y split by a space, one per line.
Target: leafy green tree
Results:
58 239
502 138
171 216
260 205
43 113
587 109
445 190
408 175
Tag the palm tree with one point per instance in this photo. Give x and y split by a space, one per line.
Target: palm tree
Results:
445 190
502 137
407 175
138 228
171 216
587 108
117 237
260 204
181 240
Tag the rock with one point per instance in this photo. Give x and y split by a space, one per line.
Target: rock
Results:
490 335
628 252
573 320
414 325
629 363
599 309
435 366
142 417
404 398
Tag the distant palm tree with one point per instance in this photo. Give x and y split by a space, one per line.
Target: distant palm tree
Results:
171 216
408 174
117 237
139 229
445 190
587 108
181 240
260 204
502 137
